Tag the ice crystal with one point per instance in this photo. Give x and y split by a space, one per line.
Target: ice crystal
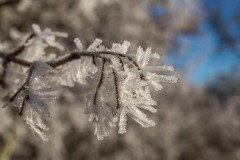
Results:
135 94
32 100
133 79
123 82
102 115
40 41
120 48
77 71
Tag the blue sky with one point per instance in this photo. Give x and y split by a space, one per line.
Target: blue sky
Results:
198 59
197 56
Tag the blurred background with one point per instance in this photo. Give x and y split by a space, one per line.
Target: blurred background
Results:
197 119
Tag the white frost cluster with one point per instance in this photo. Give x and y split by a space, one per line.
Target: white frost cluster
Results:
77 71
102 115
41 40
33 100
134 95
122 87
133 84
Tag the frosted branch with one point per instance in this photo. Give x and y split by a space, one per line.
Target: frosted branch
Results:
123 77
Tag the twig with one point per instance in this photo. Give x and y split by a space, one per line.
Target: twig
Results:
100 81
116 87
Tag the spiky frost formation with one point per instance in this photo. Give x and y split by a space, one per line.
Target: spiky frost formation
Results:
33 98
42 40
122 87
77 71
132 79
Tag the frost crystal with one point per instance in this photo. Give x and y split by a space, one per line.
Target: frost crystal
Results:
120 48
132 80
102 115
35 122
123 82
135 94
42 40
33 98
77 71
94 45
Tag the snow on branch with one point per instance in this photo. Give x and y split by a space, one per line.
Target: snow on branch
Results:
121 77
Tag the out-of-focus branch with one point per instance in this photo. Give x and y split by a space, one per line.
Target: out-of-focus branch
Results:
7 60
8 2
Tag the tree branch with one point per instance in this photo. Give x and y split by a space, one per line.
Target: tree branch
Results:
100 82
116 87
7 60
8 2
